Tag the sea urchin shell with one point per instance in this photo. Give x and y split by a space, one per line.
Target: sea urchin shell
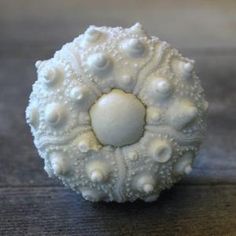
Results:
117 115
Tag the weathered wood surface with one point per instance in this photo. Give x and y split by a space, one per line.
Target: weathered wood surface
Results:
183 210
204 203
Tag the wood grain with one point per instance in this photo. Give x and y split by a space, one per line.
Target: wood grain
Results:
183 210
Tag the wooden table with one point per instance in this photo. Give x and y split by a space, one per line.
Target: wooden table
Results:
204 203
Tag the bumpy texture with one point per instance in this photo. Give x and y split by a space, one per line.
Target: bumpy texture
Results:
117 115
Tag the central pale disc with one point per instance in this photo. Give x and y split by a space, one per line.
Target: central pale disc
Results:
118 118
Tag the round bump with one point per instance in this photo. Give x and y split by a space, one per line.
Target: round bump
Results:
151 198
97 171
50 75
183 69
57 167
99 63
160 88
118 118
184 164
55 114
126 82
49 170
160 150
181 114
32 116
148 188
163 86
91 195
187 169
82 96
133 156
38 64
83 146
59 164
87 142
153 115
96 176
92 34
145 183
78 94
134 47
137 28
53 117
126 79
187 69
190 114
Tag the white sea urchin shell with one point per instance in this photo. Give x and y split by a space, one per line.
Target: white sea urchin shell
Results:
117 115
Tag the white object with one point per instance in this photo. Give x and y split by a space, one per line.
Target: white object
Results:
118 118
117 115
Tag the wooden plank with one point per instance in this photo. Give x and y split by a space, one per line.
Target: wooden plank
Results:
185 24
183 210
20 164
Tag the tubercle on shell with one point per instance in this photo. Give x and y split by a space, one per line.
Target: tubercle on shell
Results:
115 116
98 171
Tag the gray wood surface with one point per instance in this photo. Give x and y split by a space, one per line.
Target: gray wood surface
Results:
203 203
183 210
